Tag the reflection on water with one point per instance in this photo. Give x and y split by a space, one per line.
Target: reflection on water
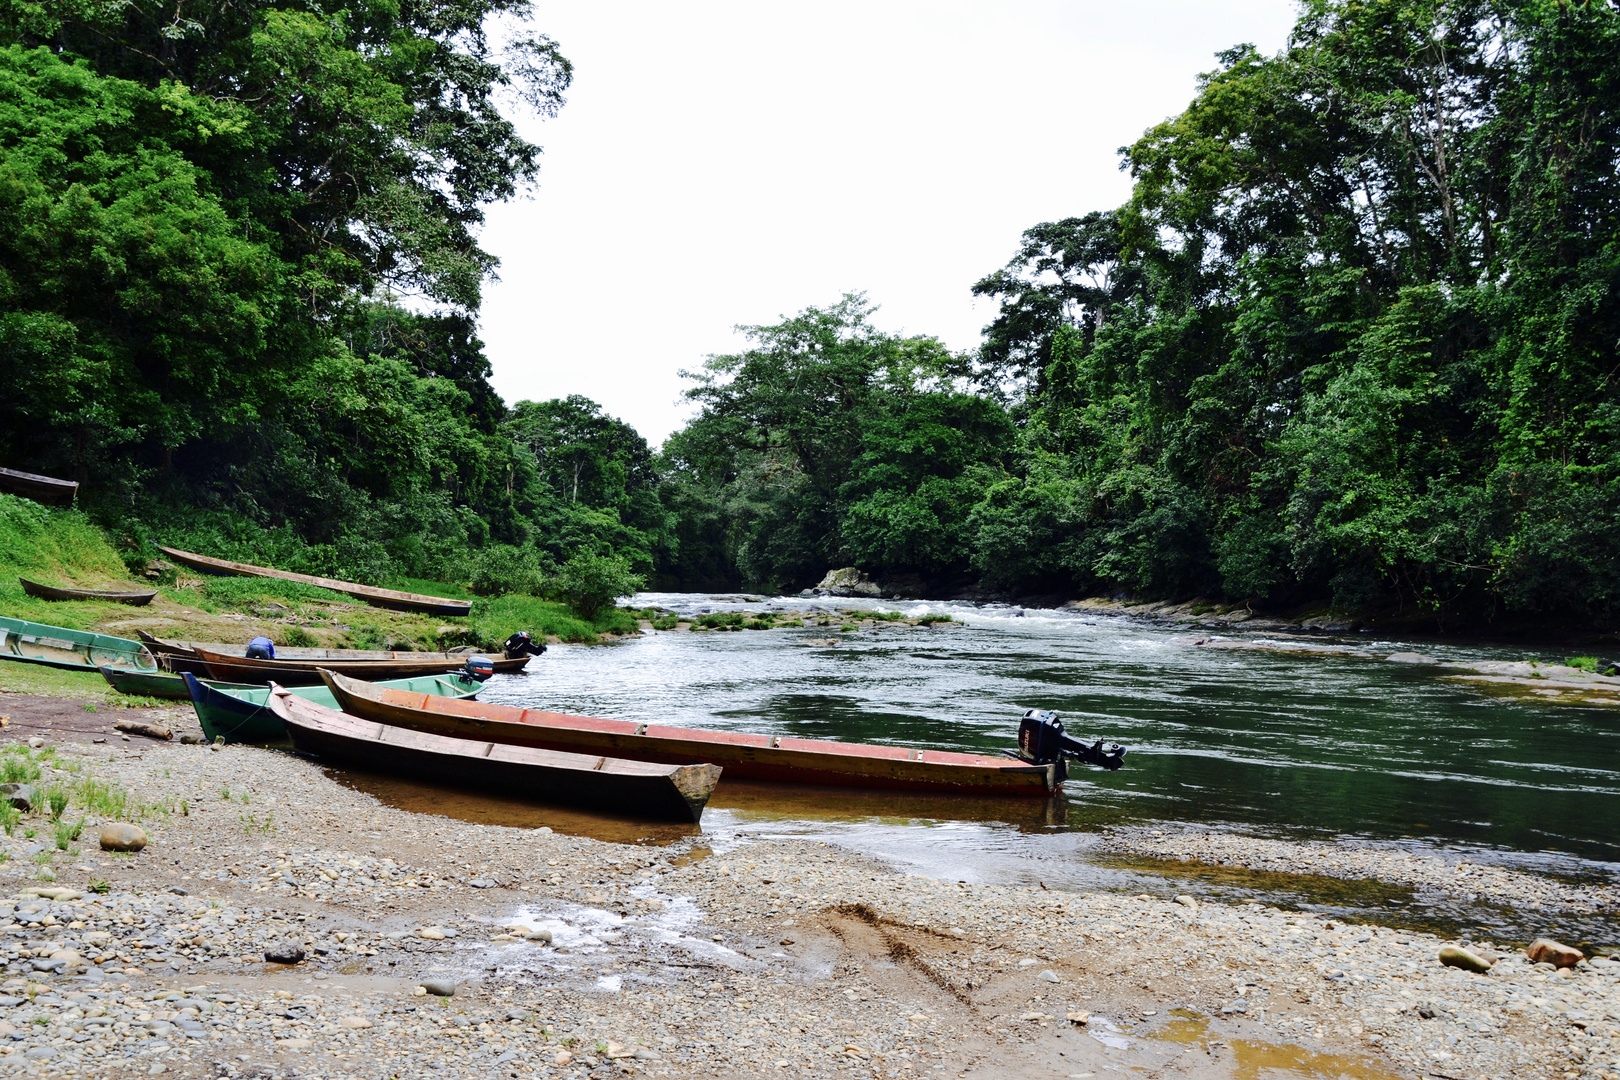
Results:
463 805
1259 742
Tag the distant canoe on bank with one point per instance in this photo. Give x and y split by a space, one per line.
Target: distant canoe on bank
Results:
42 489
383 598
294 671
117 596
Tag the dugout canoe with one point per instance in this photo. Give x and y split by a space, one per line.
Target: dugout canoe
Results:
75 650
370 594
181 656
158 684
755 757
52 592
628 788
238 712
42 489
303 671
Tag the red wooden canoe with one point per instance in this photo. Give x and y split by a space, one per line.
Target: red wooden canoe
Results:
630 788
758 757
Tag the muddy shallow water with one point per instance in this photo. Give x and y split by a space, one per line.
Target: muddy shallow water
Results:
1272 743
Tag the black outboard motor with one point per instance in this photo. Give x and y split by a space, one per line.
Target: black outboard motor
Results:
521 644
1041 741
479 667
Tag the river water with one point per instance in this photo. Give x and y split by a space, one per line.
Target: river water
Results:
1264 743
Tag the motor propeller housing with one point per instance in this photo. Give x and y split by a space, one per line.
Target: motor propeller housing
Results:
1041 741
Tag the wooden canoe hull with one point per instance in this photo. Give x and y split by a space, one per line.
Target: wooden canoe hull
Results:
42 489
627 788
239 712
754 757
299 672
51 592
181 656
75 650
384 598
158 684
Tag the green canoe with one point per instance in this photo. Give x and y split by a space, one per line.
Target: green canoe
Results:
238 714
160 684
78 650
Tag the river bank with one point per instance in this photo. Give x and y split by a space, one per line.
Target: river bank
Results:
757 958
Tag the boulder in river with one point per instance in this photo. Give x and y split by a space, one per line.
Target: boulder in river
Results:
1548 951
1458 957
847 582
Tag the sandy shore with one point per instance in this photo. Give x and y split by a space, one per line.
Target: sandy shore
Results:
767 958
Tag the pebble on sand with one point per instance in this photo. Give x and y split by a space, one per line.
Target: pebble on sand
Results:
1458 957
1548 951
122 836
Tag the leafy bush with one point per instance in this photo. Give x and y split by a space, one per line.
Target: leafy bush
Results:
591 583
297 637
503 568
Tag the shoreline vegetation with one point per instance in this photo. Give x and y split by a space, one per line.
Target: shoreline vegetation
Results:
1338 351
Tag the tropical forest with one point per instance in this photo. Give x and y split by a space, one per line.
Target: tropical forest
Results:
1352 342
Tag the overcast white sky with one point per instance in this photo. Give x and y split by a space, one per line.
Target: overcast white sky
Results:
725 163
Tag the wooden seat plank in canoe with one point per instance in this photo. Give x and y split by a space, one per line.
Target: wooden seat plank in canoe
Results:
743 755
370 594
636 789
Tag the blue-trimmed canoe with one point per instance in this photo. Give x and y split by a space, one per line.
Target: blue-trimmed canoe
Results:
76 650
238 713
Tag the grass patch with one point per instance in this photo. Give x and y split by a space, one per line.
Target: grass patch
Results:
430 588
930 620
242 591
59 682
494 619
1584 663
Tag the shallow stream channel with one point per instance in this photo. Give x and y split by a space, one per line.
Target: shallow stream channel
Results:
1359 751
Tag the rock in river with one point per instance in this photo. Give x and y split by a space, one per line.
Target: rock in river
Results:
121 836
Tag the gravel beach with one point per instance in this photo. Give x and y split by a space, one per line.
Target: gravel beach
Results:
571 957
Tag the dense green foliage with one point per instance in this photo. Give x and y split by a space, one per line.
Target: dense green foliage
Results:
206 213
1354 337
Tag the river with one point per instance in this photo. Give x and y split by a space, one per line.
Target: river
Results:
1264 743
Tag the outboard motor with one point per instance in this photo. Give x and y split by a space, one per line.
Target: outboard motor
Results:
479 667
1041 741
521 644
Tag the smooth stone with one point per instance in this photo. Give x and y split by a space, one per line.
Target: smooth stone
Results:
439 987
1187 902
431 933
21 796
122 836
482 883
1548 951
40 1053
287 952
1048 976
1458 957
1238 1006
1078 1016
354 1023
36 742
